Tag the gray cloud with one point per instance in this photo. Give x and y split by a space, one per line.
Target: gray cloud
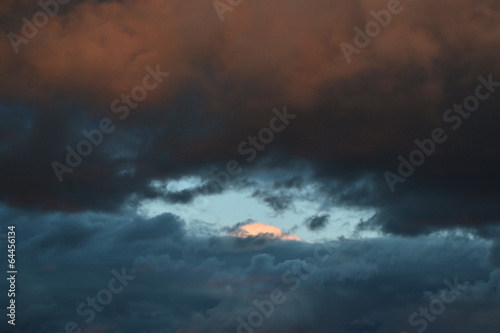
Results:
317 222
186 282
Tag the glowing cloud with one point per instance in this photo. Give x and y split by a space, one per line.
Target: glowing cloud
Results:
261 229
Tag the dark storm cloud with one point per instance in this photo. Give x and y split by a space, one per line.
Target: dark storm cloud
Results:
354 119
317 222
184 283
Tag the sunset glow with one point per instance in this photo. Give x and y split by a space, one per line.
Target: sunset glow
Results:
256 229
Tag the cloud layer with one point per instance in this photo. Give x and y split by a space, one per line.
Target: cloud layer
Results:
187 283
227 77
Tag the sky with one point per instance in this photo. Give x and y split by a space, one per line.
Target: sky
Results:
243 166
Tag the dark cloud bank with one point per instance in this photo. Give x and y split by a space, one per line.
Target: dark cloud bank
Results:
354 120
186 283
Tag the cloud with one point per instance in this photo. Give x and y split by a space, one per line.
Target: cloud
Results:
184 282
262 230
317 222
278 203
225 79
354 119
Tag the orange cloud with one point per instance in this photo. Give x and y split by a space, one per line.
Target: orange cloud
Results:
97 50
261 229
